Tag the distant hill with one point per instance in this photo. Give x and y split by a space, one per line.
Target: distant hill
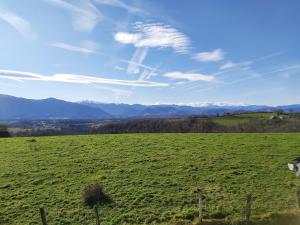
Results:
13 108
167 111
118 110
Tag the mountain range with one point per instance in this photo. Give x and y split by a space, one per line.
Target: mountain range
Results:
14 108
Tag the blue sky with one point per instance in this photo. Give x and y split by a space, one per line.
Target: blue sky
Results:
159 51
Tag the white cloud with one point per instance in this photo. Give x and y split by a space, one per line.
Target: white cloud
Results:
189 76
155 35
137 59
227 65
87 47
119 68
73 78
127 38
120 4
117 92
214 56
18 23
85 16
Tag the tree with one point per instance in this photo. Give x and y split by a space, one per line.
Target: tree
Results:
4 131
279 112
94 195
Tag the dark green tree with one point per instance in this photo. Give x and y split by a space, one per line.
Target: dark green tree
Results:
4 131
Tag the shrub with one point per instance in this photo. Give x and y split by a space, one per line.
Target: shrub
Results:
93 194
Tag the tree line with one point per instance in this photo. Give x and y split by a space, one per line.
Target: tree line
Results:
4 131
200 125
194 124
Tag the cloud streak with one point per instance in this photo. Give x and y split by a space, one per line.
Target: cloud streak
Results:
74 78
116 92
87 47
155 35
120 4
19 24
85 16
213 56
228 65
189 76
136 60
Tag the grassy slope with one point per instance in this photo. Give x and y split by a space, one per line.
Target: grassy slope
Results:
150 177
237 119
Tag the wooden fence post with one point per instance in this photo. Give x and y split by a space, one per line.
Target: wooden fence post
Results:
97 215
298 197
43 216
200 204
248 208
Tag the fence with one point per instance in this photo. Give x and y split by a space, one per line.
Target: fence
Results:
246 217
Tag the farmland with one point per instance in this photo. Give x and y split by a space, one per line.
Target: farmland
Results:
151 178
259 122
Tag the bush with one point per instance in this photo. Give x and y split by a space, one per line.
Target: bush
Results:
93 194
4 131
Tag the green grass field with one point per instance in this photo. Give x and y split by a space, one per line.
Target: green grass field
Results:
151 177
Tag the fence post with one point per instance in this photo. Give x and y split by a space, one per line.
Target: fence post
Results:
97 215
200 204
43 216
298 197
249 201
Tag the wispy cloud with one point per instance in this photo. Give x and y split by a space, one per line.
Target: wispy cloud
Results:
247 64
138 64
20 24
155 35
147 74
262 76
120 4
85 15
189 76
227 65
116 91
213 56
119 68
232 65
284 69
136 60
266 57
86 47
73 78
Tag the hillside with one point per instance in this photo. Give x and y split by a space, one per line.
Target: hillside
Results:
231 123
151 178
12 108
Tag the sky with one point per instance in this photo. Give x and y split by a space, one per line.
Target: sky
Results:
190 52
